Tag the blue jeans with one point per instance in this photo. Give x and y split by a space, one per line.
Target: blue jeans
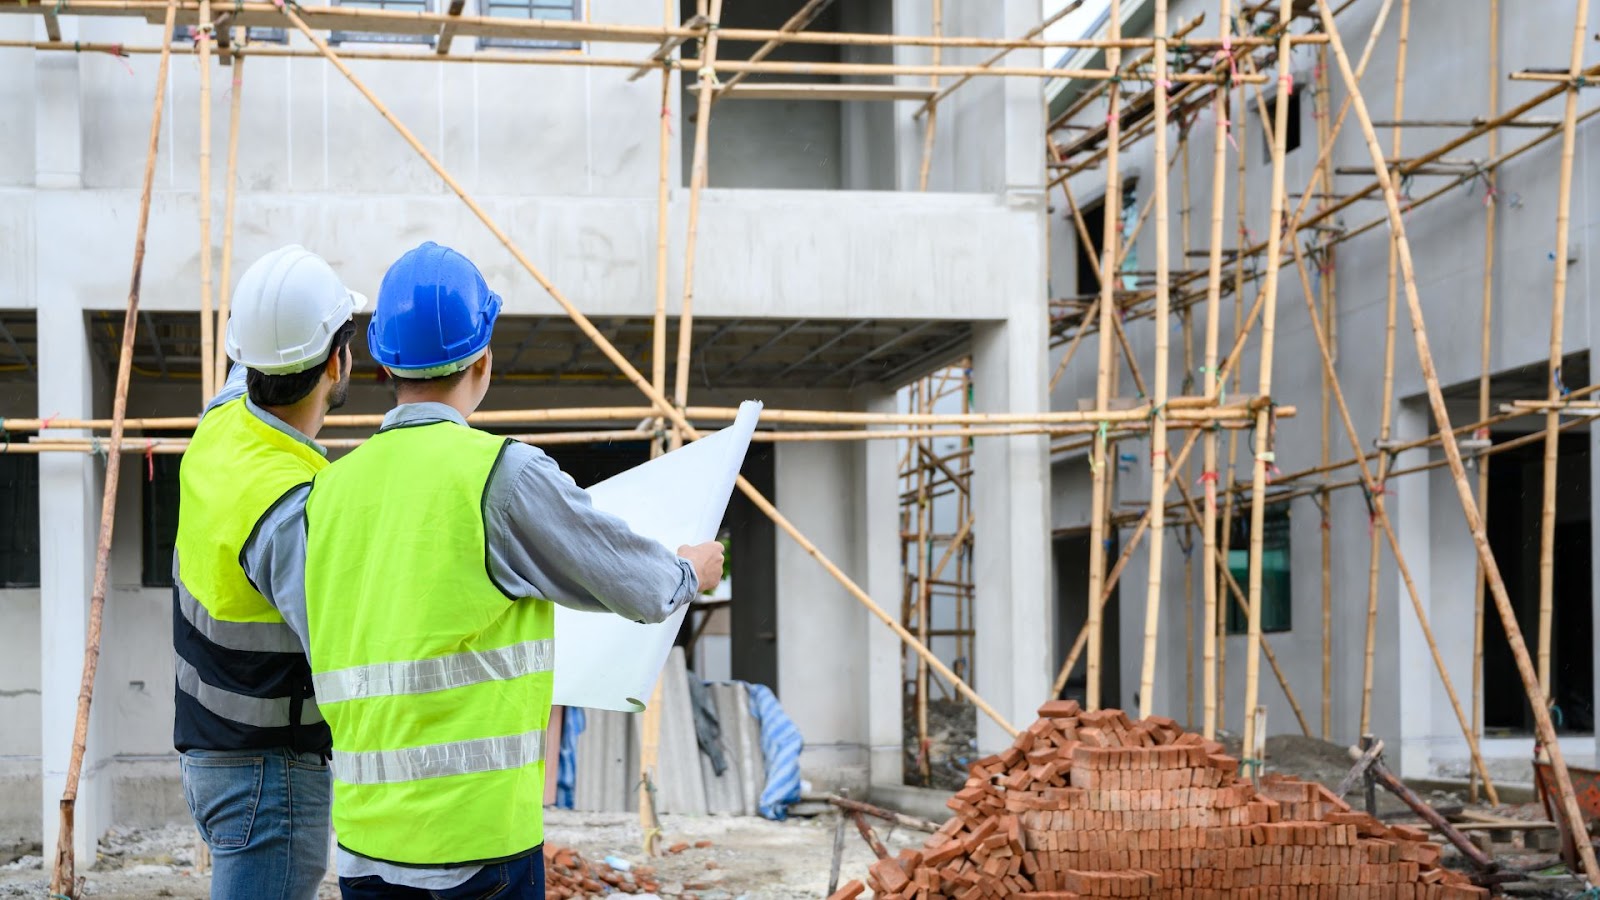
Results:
264 814
519 879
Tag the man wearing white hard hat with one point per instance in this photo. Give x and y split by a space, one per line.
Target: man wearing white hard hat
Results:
254 746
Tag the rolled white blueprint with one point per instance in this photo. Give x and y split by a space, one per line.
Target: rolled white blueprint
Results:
603 661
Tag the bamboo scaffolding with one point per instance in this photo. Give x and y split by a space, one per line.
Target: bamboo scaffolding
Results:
1385 528
660 401
1558 307
225 287
1323 183
1491 206
63 877
802 19
1386 410
1100 500
1544 726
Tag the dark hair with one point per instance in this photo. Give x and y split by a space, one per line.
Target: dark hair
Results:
283 390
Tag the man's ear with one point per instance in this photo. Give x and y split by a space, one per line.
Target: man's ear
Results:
334 367
486 362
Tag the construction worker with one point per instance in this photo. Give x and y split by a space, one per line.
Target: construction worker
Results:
422 570
254 747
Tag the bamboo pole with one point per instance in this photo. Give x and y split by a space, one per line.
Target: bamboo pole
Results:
1544 726
1158 431
225 287
1224 553
1102 400
1558 308
650 722
1264 422
202 46
1491 205
707 79
1375 549
923 598
1323 183
1385 527
931 126
660 401
1186 325
1213 386
63 877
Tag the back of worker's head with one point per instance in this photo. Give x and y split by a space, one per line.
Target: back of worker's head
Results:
291 326
432 325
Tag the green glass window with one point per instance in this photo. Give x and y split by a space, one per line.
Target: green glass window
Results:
1275 594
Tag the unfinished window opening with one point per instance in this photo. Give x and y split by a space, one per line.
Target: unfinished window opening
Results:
1275 593
1291 131
1514 509
562 10
254 35
1094 221
19 509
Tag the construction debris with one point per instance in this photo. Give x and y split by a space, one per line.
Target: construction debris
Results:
1091 804
567 874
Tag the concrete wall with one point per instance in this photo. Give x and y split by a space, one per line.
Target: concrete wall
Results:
1445 79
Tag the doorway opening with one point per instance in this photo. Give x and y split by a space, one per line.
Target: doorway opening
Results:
1516 491
1071 550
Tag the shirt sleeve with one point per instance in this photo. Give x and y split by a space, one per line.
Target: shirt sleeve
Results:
546 539
232 389
274 559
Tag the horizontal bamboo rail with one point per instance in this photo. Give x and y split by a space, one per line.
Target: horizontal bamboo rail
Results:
1194 413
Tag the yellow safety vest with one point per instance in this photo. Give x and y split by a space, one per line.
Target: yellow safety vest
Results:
435 682
242 678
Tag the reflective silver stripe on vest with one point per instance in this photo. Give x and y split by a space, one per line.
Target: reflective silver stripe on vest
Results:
260 712
439 673
260 637
439 760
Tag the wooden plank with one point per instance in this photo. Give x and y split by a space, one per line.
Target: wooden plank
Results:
787 91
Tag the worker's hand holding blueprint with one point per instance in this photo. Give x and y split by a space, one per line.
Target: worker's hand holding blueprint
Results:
604 661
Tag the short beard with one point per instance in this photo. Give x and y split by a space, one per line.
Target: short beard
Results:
340 392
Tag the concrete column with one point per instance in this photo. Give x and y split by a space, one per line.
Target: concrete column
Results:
1011 550
1414 684
58 117
821 627
879 544
69 492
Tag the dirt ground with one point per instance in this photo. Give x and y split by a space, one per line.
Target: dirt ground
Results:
749 857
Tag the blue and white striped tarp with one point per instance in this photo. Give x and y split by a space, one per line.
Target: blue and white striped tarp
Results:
780 744
572 725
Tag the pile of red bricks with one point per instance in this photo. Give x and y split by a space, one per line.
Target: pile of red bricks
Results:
567 875
1092 805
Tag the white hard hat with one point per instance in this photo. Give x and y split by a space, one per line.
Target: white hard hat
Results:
288 306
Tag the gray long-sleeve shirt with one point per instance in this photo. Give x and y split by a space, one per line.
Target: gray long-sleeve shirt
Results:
544 539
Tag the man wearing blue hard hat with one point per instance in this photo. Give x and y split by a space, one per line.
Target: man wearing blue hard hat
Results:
420 570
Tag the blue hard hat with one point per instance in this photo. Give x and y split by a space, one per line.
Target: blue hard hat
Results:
434 315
